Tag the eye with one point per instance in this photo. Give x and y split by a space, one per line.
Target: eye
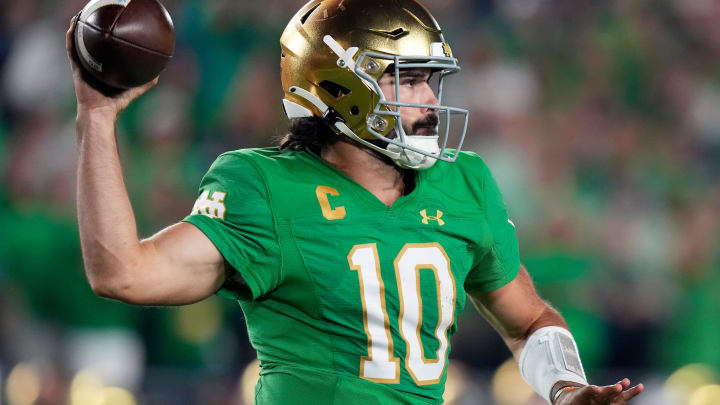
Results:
409 81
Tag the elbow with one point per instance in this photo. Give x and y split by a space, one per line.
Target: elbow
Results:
112 271
118 287
100 288
106 289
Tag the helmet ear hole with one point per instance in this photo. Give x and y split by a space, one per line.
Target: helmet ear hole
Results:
336 91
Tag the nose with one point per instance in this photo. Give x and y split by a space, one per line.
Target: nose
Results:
429 97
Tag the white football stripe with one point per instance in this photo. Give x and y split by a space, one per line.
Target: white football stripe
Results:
96 4
84 53
86 11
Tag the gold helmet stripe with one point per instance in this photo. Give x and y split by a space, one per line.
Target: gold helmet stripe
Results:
422 24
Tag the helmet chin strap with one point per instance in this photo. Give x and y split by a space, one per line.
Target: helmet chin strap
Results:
404 158
409 159
339 124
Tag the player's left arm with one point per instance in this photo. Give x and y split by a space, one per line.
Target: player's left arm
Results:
517 312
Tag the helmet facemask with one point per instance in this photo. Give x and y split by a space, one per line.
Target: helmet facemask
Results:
414 151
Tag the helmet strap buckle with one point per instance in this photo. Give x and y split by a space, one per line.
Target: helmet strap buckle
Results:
345 55
331 117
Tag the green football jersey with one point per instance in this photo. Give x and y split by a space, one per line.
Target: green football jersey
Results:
348 301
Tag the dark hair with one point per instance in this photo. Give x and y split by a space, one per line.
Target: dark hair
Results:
313 134
308 133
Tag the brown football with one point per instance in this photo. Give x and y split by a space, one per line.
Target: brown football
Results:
124 43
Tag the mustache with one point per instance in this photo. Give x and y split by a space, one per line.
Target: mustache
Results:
429 121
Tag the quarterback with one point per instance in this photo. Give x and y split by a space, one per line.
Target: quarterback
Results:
351 247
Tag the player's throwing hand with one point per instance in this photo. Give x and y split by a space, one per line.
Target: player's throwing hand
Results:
617 394
88 97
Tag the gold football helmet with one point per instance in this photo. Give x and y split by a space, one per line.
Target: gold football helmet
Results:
335 51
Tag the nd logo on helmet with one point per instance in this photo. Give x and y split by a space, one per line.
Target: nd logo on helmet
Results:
446 50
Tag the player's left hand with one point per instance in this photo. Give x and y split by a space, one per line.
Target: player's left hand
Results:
617 394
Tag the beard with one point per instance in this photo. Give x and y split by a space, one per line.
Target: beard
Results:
425 126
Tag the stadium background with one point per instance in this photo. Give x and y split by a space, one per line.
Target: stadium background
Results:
601 121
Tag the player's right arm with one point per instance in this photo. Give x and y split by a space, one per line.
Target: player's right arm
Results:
179 265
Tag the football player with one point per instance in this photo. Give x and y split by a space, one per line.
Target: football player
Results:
352 246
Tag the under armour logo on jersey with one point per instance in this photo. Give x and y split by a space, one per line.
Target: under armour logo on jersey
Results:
437 217
213 207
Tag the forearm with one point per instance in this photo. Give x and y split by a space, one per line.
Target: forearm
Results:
108 232
516 311
519 315
548 316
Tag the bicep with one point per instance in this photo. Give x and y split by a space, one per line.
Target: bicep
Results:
512 309
180 265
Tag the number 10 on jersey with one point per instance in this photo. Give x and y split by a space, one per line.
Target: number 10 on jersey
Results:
380 364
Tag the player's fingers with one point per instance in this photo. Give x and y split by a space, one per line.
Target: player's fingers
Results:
611 389
136 92
68 35
588 393
147 86
631 393
70 42
607 393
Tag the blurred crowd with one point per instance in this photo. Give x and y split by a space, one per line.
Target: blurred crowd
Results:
600 121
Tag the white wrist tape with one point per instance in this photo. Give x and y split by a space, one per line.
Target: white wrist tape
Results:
550 355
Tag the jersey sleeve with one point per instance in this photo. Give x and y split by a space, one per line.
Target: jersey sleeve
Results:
500 263
234 212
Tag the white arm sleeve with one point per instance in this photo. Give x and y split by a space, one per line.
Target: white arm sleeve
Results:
550 355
